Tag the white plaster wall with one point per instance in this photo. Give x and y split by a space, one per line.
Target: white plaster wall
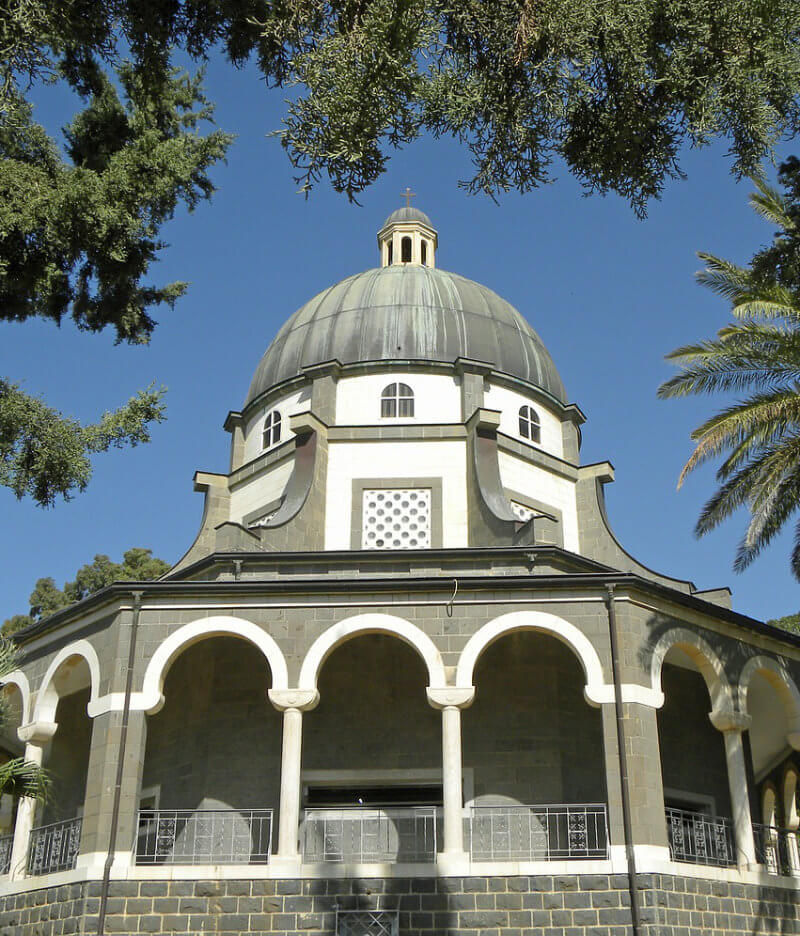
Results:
545 487
437 399
509 402
259 491
428 459
294 403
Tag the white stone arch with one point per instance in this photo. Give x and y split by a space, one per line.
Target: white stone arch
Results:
47 696
362 624
152 695
769 805
596 692
20 680
709 664
778 677
791 817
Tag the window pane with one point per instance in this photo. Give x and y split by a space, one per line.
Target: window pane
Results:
406 406
523 427
388 407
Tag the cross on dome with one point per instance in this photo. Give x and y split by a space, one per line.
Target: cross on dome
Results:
408 195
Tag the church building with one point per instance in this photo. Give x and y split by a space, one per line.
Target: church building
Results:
406 681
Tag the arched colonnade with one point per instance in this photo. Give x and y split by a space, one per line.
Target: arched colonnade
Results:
728 709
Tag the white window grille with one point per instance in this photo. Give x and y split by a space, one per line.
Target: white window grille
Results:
396 518
263 520
272 430
397 399
529 424
521 512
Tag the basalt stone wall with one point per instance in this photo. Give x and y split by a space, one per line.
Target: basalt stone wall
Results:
567 905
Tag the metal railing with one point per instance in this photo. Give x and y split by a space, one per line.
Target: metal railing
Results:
204 836
6 842
776 849
700 839
538 833
54 847
398 835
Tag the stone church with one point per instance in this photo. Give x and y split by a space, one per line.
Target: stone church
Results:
405 681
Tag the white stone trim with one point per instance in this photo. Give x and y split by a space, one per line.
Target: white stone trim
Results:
327 642
631 692
709 664
596 690
778 677
47 696
20 680
151 697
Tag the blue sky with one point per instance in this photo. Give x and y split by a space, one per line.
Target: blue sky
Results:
609 295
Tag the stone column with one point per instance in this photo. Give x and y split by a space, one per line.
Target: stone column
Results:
732 724
101 781
646 787
35 735
451 701
292 702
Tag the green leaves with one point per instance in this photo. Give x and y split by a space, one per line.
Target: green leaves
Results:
46 455
758 436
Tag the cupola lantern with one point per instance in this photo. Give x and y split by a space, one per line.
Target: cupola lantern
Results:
407 236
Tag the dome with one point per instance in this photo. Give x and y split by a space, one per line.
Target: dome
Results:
407 213
407 312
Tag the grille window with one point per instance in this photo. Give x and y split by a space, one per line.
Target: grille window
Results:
272 429
397 400
396 518
529 424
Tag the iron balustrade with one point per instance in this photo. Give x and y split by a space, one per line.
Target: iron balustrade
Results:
700 839
54 847
204 836
538 833
6 842
400 835
776 849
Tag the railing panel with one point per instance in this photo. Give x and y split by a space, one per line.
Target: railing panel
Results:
538 833
355 835
776 849
6 842
204 836
700 839
54 847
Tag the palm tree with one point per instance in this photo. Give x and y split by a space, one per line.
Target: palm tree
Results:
18 777
758 436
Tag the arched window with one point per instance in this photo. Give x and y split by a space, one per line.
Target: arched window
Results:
405 250
424 253
272 429
397 400
391 251
529 424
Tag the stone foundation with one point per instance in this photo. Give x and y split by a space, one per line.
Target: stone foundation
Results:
566 905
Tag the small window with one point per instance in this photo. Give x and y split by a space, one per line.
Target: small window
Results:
272 429
424 253
391 253
405 248
529 424
397 400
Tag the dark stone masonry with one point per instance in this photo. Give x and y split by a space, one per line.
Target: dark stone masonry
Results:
567 905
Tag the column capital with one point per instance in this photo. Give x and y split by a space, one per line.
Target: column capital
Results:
301 699
450 697
37 732
729 720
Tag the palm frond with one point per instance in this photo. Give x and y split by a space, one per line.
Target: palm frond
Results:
20 777
771 204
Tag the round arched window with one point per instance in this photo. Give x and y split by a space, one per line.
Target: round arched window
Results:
397 400
272 429
529 424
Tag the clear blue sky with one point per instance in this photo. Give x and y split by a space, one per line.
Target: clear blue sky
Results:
609 295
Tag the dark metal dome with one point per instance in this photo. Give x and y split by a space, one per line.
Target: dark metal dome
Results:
407 312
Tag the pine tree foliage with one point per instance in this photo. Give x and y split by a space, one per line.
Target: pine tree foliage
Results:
757 358
138 565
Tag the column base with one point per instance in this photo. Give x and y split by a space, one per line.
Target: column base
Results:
453 863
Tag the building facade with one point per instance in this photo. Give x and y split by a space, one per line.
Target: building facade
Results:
406 681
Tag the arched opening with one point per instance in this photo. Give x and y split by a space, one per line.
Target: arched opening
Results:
211 774
390 253
424 253
372 780
397 400
272 429
405 250
693 764
533 754
529 427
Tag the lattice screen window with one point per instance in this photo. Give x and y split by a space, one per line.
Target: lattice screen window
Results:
396 518
367 922
521 512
